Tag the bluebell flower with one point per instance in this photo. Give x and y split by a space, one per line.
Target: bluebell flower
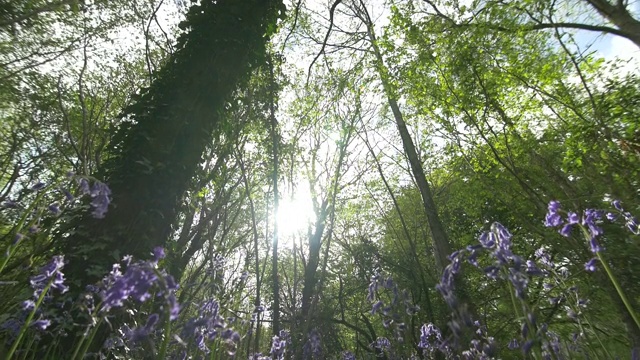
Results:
67 194
52 272
487 239
381 343
543 256
54 208
519 281
431 337
83 184
348 355
591 265
376 307
532 268
278 346
617 204
101 198
158 253
28 304
526 347
513 344
553 219
566 230
313 347
38 186
553 206
41 324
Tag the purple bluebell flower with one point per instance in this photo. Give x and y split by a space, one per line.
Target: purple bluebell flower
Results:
591 265
489 349
430 337
373 286
492 272
158 253
348 355
278 348
28 304
136 283
566 230
526 347
101 198
487 239
520 282
543 256
67 194
513 344
313 346
83 184
38 186
376 307
632 224
381 343
595 247
41 324
533 269
12 327
573 218
618 205
54 208
553 220
52 272
244 276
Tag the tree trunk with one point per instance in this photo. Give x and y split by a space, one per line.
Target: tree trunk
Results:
275 140
155 155
620 16
441 243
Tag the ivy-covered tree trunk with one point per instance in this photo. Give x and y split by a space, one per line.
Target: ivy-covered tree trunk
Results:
156 153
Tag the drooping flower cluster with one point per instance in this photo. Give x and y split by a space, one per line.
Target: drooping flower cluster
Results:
313 347
348 355
279 345
137 282
590 222
100 196
48 279
430 338
208 326
50 275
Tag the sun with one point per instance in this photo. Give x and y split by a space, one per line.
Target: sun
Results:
295 215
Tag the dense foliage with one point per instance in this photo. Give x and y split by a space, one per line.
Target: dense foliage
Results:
354 180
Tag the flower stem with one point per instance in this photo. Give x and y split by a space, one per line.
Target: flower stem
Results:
27 322
621 293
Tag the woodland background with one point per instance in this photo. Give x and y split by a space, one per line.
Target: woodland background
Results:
290 160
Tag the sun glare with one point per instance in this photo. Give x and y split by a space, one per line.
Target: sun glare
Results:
294 216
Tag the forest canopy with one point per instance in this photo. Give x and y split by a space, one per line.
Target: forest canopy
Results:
343 179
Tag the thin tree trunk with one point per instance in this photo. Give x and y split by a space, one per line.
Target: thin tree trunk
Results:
256 254
275 140
441 243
